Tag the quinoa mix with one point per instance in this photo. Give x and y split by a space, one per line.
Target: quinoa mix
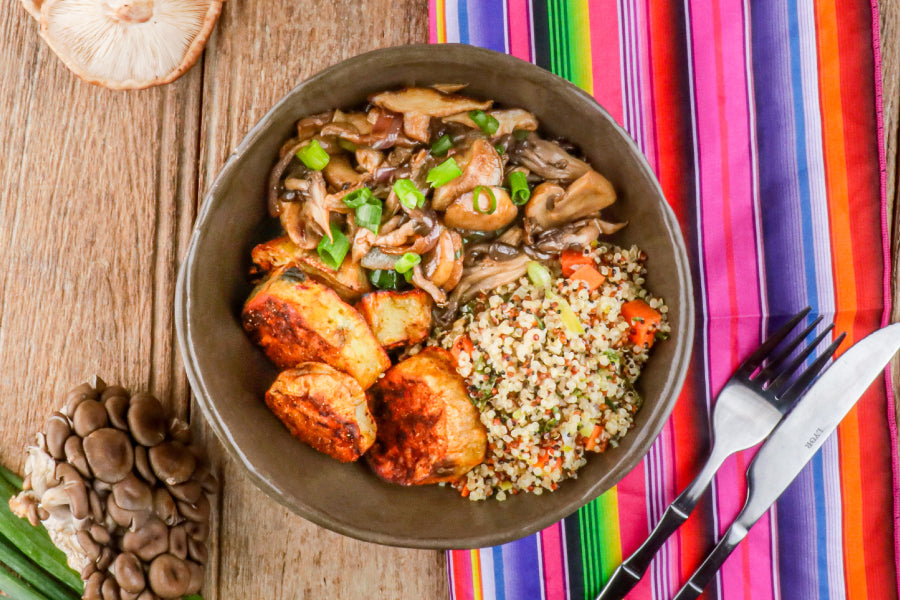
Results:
552 371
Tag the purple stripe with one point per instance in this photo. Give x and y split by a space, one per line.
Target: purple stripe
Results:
521 569
486 27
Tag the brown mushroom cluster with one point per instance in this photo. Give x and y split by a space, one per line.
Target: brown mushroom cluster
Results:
469 233
117 483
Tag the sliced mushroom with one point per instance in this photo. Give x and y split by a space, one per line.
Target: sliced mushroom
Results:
341 175
369 159
488 275
169 576
449 88
128 44
463 214
109 453
585 197
423 283
548 159
362 242
416 126
306 221
440 263
482 166
508 119
576 235
427 101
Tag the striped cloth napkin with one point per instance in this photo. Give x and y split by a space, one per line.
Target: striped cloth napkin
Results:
763 123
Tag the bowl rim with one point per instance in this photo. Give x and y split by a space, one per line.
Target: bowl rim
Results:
684 339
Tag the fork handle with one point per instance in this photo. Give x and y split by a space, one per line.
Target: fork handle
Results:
629 573
707 571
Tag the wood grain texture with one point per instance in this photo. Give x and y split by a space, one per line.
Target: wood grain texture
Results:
263 550
97 198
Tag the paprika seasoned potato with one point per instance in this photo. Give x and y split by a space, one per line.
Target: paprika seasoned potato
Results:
428 429
296 319
324 408
397 318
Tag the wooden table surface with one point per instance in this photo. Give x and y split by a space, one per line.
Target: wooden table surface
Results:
98 194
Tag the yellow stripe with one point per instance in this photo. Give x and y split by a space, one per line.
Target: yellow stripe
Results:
476 575
440 21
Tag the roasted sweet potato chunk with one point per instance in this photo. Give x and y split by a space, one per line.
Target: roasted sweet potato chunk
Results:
349 281
428 429
397 318
296 319
325 408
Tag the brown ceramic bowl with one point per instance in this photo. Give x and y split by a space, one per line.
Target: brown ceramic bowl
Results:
230 375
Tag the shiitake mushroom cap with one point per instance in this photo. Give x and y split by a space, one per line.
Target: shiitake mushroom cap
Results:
169 576
89 416
147 420
129 572
172 462
109 453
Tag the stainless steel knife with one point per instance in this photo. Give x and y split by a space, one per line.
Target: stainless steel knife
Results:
797 438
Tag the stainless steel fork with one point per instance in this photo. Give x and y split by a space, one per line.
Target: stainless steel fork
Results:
752 402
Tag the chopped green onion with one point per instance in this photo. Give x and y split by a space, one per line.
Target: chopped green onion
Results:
357 198
385 280
538 274
476 193
369 216
408 276
486 122
500 148
406 262
518 184
333 252
347 145
443 173
440 147
409 194
313 156
520 134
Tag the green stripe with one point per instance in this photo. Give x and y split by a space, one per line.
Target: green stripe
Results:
580 44
554 36
611 545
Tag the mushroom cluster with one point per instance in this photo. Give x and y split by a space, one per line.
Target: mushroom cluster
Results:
451 192
126 44
121 490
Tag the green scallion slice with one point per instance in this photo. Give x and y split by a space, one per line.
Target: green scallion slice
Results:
443 173
538 274
500 148
492 202
385 280
486 122
406 262
520 193
333 252
357 198
369 216
347 145
313 156
409 194
520 134
440 147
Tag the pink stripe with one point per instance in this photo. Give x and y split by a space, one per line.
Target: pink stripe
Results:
729 239
886 284
648 136
519 29
553 563
606 57
633 526
432 23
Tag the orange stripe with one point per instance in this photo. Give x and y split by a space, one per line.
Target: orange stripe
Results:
844 284
440 21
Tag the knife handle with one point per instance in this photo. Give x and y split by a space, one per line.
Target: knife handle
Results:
707 571
629 573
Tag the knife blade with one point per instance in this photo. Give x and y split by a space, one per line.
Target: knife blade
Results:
797 438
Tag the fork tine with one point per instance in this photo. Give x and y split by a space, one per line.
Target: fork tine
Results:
752 362
769 371
807 376
781 379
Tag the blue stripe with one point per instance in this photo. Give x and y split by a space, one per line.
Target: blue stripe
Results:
499 580
521 570
485 32
464 21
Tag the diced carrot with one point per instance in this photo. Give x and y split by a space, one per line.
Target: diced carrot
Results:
462 344
589 275
592 440
464 492
644 321
570 260
542 459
